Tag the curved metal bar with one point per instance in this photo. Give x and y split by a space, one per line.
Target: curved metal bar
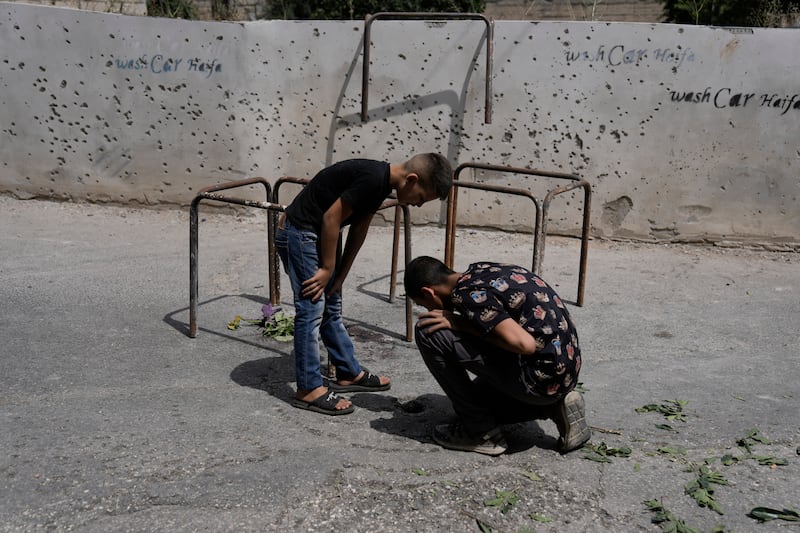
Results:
541 215
211 193
275 287
587 206
407 258
369 19
450 246
450 236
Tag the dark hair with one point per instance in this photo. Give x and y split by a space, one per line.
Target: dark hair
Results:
435 173
424 271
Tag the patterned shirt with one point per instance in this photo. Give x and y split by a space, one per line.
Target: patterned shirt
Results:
488 293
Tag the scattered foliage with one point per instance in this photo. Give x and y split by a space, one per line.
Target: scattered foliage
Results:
768 460
671 450
667 520
601 453
274 323
752 438
504 499
672 409
702 488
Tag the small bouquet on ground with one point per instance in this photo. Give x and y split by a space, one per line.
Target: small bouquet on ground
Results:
274 323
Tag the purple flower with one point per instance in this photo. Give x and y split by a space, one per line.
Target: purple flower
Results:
267 310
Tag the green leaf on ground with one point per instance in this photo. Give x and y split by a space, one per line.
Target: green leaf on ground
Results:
666 520
751 439
597 458
671 450
540 518
671 409
280 327
601 452
484 527
274 323
533 476
702 488
769 461
234 324
765 514
504 499
755 437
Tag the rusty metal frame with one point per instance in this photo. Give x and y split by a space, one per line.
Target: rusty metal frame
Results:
540 225
391 202
452 212
369 19
213 193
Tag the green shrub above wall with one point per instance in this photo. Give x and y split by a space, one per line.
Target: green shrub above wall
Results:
174 9
758 13
358 9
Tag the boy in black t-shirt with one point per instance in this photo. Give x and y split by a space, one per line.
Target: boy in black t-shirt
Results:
346 193
510 329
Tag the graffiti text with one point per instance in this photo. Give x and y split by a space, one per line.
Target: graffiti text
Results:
728 98
621 55
159 64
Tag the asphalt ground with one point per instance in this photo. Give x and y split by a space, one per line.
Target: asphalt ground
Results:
113 419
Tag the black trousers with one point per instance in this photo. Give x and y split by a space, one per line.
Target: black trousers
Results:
497 395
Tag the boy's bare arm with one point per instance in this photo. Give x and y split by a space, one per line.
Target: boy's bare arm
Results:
355 238
510 336
314 287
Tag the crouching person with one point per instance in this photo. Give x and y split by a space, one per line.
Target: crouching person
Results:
506 326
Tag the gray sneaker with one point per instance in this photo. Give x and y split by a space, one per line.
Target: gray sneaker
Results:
456 437
570 418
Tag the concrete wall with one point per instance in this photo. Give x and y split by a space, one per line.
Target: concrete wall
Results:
685 132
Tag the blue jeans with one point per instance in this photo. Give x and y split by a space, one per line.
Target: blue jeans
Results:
299 252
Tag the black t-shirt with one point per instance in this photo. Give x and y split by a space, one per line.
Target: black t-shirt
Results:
363 184
488 293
